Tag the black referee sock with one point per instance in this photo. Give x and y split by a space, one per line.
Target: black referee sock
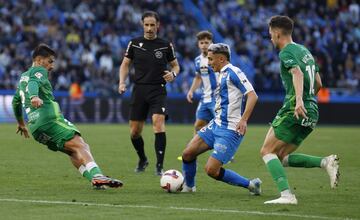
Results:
160 145
138 144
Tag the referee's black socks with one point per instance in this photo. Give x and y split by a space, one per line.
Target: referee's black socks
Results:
138 144
160 145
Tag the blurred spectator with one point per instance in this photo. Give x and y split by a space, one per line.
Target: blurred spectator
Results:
91 37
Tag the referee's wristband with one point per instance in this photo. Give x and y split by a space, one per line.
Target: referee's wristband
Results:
174 74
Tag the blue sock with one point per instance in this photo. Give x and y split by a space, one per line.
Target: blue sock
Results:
234 178
189 171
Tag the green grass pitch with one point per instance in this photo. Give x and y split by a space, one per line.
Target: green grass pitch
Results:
36 183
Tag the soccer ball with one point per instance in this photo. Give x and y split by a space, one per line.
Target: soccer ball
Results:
172 181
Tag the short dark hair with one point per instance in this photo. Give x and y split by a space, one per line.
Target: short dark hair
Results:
220 48
43 50
150 14
204 34
284 23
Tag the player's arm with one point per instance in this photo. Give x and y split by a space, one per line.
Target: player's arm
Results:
251 99
318 83
123 73
174 71
17 108
33 89
195 84
298 82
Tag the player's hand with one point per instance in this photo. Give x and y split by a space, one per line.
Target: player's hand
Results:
189 97
241 127
36 102
23 130
122 88
300 110
169 76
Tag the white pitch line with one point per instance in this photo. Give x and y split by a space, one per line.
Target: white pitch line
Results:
177 208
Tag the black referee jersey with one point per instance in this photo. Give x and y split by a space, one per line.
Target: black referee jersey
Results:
150 59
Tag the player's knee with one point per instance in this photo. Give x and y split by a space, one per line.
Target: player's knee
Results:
134 133
198 127
263 151
187 155
212 171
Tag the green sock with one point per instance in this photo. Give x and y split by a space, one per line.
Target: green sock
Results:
303 160
277 171
93 169
85 173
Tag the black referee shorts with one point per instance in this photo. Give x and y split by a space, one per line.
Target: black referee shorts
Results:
145 99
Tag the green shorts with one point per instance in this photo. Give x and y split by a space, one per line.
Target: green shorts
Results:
55 133
291 130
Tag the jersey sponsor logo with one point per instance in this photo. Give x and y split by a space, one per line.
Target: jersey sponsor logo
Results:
38 75
158 54
289 61
204 70
308 57
24 79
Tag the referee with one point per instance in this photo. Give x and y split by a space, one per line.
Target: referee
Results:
150 56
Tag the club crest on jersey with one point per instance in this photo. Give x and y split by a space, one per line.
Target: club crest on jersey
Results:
158 54
38 75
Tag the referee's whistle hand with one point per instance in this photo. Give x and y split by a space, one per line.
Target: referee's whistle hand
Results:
122 88
169 76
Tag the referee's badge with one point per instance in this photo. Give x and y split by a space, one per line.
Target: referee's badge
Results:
158 54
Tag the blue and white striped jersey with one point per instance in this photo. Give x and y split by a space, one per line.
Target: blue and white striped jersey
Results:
208 77
230 97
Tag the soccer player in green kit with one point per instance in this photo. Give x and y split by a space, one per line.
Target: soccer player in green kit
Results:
46 123
298 115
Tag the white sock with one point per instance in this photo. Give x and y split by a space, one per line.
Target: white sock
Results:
285 161
286 192
82 169
89 166
323 163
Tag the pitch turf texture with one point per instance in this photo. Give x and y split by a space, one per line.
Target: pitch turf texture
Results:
39 184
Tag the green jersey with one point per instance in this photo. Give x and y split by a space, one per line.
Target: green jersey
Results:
293 55
35 82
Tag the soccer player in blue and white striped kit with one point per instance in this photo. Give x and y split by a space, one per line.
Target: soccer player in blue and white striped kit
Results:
225 132
205 76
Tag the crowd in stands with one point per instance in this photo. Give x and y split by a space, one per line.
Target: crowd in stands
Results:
90 37
329 28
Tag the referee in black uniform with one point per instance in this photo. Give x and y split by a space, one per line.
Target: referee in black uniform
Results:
150 56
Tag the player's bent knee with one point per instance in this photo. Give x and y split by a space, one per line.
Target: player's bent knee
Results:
265 150
212 171
134 134
188 156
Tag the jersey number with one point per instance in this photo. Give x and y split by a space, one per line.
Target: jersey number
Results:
310 69
22 96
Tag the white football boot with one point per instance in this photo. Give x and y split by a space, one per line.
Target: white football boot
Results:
331 165
289 199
